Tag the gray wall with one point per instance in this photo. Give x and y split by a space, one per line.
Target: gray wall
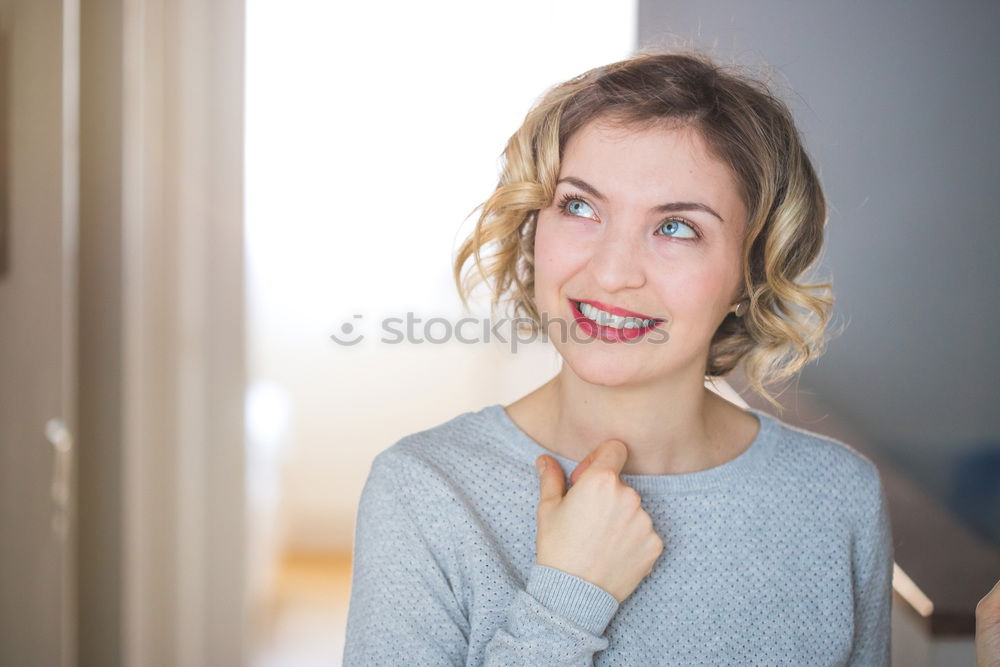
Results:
898 104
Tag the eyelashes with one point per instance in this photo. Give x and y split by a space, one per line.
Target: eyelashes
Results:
567 199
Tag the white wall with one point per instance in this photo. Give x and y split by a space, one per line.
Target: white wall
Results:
373 130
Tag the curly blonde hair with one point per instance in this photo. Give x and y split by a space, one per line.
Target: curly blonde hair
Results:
744 125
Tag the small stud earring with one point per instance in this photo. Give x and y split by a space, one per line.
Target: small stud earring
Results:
741 308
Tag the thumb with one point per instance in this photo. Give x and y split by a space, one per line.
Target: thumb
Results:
581 466
610 454
551 480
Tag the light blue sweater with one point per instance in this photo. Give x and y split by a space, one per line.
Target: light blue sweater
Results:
782 555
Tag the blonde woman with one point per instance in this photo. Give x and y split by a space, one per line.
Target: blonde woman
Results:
653 219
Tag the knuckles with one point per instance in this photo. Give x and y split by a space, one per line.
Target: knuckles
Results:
604 477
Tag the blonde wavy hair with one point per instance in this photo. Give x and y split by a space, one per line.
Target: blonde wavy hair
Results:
746 126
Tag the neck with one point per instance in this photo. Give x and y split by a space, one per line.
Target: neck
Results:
670 428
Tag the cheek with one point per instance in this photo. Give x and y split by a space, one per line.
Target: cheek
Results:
556 255
697 287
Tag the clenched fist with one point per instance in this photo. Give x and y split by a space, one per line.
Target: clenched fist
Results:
598 531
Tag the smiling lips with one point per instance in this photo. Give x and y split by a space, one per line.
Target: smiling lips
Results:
614 310
614 325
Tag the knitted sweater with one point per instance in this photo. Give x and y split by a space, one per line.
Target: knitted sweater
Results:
782 555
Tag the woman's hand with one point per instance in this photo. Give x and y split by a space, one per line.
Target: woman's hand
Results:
988 629
598 531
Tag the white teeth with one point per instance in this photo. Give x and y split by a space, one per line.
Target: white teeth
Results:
608 320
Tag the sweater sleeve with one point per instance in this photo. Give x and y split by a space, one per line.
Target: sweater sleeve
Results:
404 607
559 619
873 567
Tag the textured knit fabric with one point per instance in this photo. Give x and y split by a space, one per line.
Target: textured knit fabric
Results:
781 556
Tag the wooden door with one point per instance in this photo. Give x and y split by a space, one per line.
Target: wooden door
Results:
37 329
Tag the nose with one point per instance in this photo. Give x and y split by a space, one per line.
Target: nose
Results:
616 263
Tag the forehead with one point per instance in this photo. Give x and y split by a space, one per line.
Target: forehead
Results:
660 161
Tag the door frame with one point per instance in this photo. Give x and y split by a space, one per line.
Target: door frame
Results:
172 197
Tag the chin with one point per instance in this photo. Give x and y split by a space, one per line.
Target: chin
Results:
605 371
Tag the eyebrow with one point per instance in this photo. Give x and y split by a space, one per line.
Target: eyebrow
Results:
670 207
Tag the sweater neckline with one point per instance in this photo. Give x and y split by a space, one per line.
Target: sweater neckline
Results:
751 460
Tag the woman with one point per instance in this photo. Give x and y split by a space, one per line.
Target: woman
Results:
651 219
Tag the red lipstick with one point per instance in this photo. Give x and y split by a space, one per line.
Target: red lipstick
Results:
618 311
610 334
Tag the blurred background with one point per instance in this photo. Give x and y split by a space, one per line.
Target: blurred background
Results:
197 196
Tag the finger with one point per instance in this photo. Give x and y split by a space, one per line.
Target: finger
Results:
575 476
583 465
551 480
610 455
990 604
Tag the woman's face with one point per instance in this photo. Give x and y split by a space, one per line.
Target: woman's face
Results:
646 221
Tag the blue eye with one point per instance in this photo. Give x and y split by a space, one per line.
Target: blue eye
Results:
675 222
576 206
572 206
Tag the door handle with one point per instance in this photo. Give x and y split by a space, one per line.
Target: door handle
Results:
62 442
